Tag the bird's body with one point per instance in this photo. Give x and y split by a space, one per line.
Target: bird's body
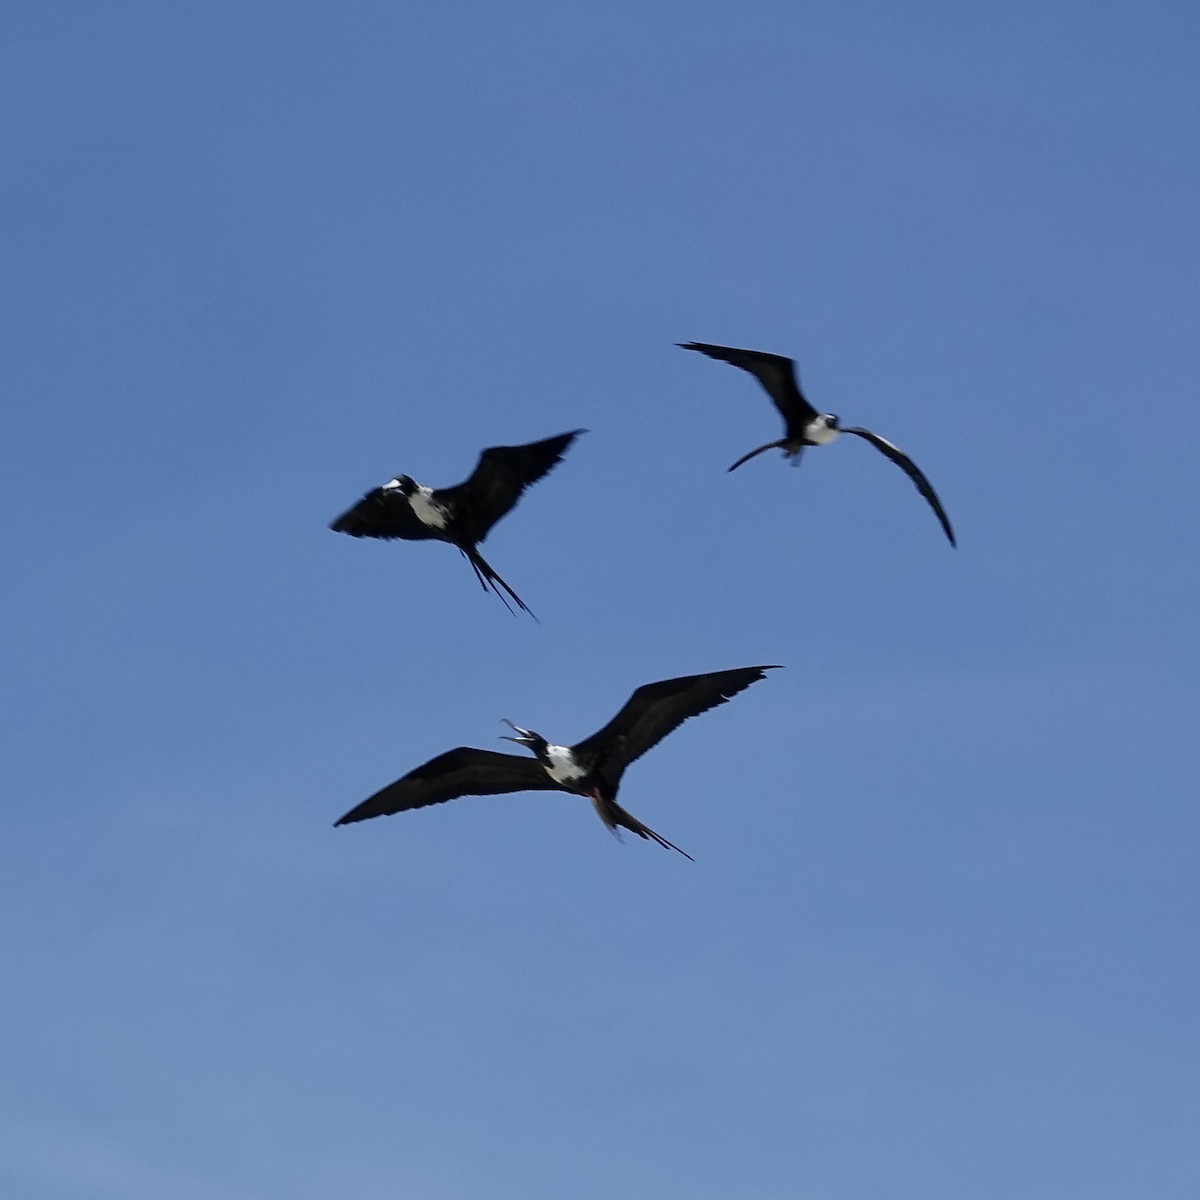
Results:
462 515
820 431
590 768
561 765
425 508
804 425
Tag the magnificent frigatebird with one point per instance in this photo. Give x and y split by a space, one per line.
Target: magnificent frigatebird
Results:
805 426
590 768
461 515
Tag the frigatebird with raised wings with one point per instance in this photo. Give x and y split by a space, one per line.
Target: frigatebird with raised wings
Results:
591 768
804 425
462 515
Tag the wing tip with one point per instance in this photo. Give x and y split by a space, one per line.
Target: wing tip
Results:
757 673
350 522
562 442
357 814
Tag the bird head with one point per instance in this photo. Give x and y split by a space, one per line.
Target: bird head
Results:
525 737
402 484
832 421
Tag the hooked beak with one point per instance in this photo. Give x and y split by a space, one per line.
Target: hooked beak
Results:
523 738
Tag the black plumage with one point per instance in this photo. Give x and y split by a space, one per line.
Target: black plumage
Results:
804 425
591 768
462 515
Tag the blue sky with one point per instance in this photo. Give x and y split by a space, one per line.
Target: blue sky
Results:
940 936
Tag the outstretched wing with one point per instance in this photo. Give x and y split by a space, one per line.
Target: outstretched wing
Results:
383 513
499 478
775 372
910 469
464 771
657 709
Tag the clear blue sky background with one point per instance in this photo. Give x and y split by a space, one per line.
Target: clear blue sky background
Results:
940 938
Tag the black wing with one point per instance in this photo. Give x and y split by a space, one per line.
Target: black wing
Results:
383 513
657 709
499 478
464 771
910 469
776 373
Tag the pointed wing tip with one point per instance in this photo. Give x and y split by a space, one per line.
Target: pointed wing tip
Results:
349 523
943 521
918 477
746 677
758 673
782 442
357 814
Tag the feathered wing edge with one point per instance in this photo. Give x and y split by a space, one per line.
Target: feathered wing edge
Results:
656 710
463 771
910 468
501 477
779 445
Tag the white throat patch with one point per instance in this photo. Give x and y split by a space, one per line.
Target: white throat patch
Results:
561 767
426 510
819 431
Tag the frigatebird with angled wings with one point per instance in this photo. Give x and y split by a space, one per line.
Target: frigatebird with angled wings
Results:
591 768
804 425
462 515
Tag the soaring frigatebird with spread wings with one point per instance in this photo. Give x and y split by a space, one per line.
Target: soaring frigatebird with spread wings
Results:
805 426
462 515
591 768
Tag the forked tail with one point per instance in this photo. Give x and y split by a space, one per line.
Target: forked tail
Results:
781 444
488 579
613 815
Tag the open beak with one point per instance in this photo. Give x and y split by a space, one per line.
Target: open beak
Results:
523 738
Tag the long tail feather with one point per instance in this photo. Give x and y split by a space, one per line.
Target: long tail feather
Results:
613 815
646 832
489 579
769 446
478 573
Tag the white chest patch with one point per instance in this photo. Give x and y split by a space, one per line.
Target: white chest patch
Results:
820 432
561 767
425 510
